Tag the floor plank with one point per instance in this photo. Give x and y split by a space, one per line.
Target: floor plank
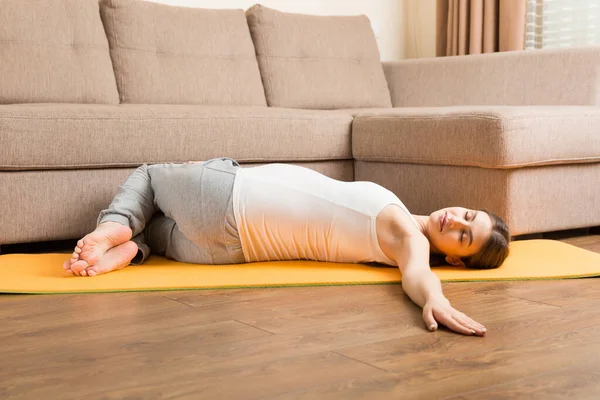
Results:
581 382
509 329
149 374
450 375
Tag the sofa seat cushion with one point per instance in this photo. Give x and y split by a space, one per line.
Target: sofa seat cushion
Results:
181 55
317 62
488 137
55 136
54 51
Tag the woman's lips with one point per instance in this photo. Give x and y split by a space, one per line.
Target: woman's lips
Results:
443 221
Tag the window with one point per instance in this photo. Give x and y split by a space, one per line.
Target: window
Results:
562 23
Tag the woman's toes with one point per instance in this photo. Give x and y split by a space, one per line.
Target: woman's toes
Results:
83 272
116 258
77 250
79 266
80 243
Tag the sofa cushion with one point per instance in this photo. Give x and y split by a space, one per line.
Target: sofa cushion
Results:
550 77
179 55
54 51
488 136
317 62
49 136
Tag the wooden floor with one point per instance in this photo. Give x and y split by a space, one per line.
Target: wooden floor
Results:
353 342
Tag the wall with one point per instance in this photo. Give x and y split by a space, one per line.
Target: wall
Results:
419 28
402 27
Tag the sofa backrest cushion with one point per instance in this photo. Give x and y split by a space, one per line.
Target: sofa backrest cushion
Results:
181 55
54 51
317 62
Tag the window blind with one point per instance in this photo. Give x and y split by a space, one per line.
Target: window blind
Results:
562 23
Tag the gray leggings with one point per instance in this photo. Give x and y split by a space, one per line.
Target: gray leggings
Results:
180 211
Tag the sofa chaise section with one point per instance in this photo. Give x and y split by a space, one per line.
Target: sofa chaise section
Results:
537 167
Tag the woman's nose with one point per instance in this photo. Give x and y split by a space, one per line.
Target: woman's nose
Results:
458 223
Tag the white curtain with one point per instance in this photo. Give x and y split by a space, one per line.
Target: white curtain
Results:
562 23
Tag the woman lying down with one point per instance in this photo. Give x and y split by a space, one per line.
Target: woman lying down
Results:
216 212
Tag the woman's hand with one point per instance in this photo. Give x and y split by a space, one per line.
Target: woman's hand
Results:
439 310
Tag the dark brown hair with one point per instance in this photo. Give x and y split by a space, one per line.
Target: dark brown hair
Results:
492 254
495 250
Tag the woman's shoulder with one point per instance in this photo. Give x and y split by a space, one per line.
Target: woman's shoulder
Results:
396 217
395 226
396 231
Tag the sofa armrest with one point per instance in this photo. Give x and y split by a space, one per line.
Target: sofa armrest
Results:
537 77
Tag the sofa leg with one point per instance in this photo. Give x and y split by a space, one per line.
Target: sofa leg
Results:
52 246
529 236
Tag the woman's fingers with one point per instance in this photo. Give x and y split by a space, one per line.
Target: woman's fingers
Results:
457 326
480 331
465 316
451 323
471 322
429 319
445 314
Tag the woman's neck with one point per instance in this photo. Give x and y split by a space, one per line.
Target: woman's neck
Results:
422 221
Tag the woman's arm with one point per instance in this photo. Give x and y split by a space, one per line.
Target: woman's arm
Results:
425 289
404 243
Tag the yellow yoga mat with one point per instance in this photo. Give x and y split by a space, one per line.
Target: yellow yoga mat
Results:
43 273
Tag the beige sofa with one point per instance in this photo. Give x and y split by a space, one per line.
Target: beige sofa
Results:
90 91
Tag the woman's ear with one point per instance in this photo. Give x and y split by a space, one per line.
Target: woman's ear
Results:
456 261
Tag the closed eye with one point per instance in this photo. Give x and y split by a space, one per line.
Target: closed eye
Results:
462 233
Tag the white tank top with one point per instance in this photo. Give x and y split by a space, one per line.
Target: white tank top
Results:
286 212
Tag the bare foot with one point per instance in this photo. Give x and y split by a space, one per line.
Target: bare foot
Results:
92 247
116 258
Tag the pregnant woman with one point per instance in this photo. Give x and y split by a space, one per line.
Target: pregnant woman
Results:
216 212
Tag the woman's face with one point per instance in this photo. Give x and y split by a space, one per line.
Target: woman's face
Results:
459 232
